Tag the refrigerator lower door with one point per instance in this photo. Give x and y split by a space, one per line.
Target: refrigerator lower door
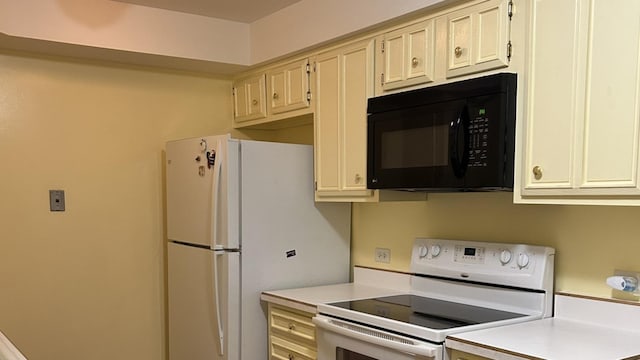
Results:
193 308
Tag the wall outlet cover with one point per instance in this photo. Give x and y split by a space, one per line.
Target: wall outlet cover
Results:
383 255
56 200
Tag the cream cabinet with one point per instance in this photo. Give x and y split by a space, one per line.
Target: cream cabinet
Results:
461 355
289 87
582 103
274 97
249 98
292 335
344 81
408 56
479 38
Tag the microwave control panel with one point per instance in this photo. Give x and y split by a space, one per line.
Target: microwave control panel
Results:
497 263
478 138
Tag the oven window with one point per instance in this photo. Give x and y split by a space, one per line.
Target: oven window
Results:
344 354
415 147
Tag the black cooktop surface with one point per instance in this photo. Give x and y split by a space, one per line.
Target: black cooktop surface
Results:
427 312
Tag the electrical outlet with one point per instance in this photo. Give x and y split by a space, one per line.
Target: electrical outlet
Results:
383 255
56 200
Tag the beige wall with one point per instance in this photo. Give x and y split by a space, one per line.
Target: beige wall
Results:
88 283
590 241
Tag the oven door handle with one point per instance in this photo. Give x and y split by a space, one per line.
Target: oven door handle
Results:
381 338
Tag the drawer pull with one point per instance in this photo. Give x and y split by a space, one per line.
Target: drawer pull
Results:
415 62
291 357
292 327
458 51
254 102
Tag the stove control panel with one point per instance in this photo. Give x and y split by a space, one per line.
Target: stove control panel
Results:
495 263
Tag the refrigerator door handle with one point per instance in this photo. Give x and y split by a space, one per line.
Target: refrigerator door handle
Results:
216 295
215 192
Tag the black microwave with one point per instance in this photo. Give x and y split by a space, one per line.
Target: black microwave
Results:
458 136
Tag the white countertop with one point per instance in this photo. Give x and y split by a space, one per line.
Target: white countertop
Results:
584 329
367 283
306 299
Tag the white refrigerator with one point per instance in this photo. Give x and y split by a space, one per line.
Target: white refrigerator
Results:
241 218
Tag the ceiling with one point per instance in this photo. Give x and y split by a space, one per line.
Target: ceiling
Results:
245 11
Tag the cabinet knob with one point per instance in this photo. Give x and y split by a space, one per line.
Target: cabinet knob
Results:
457 51
291 357
358 178
254 102
415 62
275 96
537 172
292 327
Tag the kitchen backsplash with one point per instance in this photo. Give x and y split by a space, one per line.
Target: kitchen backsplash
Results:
590 241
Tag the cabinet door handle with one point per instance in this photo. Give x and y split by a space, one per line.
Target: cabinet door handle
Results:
457 51
254 102
291 357
358 178
275 96
415 62
292 327
537 172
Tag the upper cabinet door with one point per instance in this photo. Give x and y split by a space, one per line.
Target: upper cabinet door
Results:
357 82
460 42
612 104
408 56
249 98
327 122
479 38
552 94
582 117
289 87
344 81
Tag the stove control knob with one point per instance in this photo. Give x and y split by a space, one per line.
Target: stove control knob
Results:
435 250
422 251
523 260
505 257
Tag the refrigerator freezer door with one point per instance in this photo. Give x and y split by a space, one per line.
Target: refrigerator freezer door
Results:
197 181
193 322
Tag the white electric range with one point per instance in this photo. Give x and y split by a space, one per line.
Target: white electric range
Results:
456 286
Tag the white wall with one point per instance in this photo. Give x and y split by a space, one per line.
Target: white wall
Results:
119 26
142 35
311 22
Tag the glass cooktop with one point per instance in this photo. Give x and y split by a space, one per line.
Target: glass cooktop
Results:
427 312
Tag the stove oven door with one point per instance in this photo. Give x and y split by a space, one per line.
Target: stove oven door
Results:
341 340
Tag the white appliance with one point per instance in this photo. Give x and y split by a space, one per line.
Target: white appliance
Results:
241 219
456 286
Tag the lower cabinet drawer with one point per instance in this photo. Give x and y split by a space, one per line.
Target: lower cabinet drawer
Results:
282 349
295 325
460 355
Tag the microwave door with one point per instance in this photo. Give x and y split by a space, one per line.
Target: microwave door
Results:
410 148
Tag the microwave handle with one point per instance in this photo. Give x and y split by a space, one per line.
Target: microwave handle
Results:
459 161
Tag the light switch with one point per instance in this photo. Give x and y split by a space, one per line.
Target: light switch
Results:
56 200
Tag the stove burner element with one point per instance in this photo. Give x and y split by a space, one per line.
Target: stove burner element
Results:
427 312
